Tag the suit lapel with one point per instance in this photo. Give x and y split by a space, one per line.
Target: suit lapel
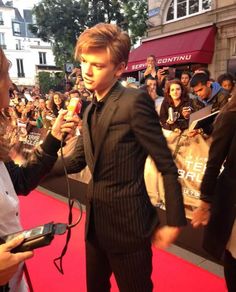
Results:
87 140
106 116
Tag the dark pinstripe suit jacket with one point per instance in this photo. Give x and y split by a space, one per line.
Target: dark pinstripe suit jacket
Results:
128 130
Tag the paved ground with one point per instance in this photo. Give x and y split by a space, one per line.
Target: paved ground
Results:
185 254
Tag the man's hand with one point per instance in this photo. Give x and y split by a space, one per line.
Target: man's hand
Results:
62 127
201 215
164 236
9 261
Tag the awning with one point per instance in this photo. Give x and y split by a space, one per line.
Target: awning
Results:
195 46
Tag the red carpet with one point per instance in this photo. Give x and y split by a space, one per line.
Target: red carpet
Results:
170 273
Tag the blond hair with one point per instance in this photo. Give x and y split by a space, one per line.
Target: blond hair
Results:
105 36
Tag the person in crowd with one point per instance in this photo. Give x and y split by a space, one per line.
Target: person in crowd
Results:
176 107
20 180
50 94
151 68
151 85
47 115
151 88
75 74
162 78
82 90
120 128
34 92
68 86
153 71
204 70
185 79
58 102
208 92
226 81
217 207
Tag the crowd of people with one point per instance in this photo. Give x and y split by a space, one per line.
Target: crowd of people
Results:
175 99
116 133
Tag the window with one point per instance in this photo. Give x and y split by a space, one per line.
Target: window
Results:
186 8
19 45
16 28
1 19
42 58
20 68
2 40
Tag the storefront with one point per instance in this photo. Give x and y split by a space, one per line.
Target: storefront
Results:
195 46
188 34
181 51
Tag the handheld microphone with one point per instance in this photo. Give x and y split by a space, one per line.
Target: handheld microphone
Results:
74 107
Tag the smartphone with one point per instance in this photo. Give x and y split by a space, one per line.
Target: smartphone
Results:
34 238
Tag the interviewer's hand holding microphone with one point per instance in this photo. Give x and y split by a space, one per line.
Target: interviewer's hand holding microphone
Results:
65 124
63 128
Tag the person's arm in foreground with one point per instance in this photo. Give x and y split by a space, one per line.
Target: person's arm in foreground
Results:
222 135
9 261
27 177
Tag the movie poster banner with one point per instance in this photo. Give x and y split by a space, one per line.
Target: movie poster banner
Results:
190 156
28 139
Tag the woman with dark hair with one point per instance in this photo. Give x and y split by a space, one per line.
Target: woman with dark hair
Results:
217 207
185 78
226 81
58 102
176 107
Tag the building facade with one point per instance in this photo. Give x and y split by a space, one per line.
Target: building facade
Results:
186 34
27 54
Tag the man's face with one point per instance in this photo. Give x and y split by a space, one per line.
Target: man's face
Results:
151 62
151 85
203 91
99 72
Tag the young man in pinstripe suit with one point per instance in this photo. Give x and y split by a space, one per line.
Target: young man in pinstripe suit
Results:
120 128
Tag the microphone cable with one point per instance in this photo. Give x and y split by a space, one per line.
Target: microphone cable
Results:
70 224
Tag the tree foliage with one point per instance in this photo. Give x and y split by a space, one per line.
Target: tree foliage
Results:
48 81
136 15
61 21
